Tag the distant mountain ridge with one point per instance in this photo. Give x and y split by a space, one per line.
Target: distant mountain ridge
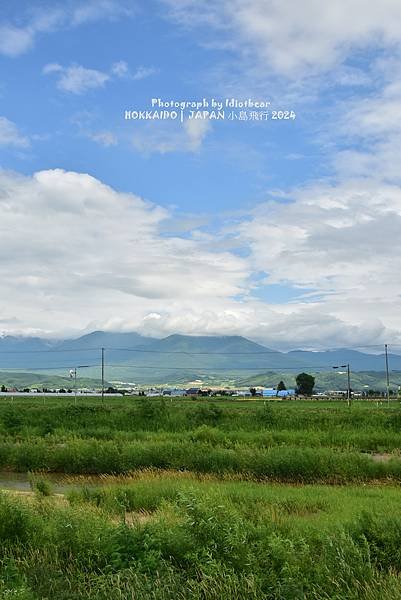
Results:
175 355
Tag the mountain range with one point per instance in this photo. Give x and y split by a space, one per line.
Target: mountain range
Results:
176 358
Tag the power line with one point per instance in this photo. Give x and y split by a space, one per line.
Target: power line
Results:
6 369
264 368
189 368
375 346
197 368
195 353
186 352
115 349
46 351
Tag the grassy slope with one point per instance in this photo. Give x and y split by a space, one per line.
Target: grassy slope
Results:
32 380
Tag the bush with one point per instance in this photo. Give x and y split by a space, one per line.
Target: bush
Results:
40 486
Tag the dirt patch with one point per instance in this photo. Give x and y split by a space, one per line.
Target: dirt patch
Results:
383 456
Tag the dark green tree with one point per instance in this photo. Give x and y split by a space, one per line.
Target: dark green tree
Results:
281 386
305 384
253 391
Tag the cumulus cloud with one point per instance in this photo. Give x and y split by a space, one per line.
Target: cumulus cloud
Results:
293 38
85 252
341 241
11 136
77 254
330 238
371 126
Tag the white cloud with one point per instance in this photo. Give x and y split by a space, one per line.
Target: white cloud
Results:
15 41
196 131
144 72
52 68
293 38
330 238
11 136
154 138
341 241
120 69
18 40
370 129
88 253
76 78
96 258
95 10
104 138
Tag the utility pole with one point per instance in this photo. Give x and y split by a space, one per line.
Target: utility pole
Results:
387 377
348 381
73 374
102 374
349 386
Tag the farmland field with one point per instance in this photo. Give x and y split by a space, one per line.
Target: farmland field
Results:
192 498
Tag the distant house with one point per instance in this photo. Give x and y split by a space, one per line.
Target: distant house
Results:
285 393
194 391
269 393
273 393
173 392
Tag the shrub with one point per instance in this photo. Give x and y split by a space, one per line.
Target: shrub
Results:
42 487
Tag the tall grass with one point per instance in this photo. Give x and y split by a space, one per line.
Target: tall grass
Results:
207 528
197 545
284 463
261 440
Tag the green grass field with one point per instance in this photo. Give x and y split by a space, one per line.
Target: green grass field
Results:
201 499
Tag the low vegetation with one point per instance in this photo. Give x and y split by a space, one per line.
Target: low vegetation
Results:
287 441
173 536
214 500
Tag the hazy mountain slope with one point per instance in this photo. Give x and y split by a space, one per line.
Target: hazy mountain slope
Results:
133 357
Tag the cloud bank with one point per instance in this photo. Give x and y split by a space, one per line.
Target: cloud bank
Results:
78 253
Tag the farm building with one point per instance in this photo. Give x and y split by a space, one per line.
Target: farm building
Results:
273 393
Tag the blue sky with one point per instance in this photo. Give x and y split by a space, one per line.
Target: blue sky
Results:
270 229
241 159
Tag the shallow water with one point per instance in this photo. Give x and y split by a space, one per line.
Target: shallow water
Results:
61 484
